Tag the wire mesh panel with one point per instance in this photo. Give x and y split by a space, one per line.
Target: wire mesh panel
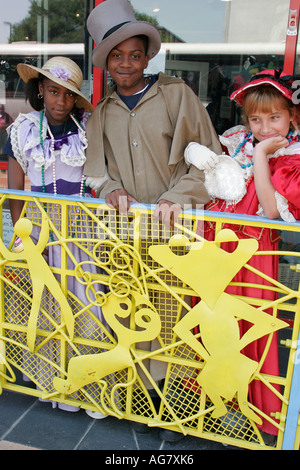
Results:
120 314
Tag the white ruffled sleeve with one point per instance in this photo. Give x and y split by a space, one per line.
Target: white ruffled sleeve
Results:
282 207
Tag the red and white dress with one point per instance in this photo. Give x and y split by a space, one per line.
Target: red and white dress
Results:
285 176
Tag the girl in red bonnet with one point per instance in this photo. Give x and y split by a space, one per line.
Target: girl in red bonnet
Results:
259 175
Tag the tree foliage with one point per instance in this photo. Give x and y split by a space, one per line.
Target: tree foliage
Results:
66 22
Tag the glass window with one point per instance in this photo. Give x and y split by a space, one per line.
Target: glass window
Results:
32 31
214 45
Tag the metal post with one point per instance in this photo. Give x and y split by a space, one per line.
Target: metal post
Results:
291 37
39 30
98 77
46 26
294 405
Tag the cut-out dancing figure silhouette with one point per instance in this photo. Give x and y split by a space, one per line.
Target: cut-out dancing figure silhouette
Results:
40 273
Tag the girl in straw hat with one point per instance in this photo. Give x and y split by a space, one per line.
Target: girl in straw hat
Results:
259 175
37 142
48 144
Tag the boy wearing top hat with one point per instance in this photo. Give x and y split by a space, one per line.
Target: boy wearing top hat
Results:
139 131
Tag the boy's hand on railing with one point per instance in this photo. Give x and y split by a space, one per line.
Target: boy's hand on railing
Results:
167 212
119 200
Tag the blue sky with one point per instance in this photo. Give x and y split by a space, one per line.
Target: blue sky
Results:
12 11
191 20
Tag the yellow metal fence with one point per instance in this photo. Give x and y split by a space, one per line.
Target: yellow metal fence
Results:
98 312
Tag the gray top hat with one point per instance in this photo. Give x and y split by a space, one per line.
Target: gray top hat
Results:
112 22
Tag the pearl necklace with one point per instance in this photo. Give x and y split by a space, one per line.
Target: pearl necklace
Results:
82 183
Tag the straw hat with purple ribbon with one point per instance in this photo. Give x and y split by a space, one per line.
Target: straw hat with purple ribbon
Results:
64 72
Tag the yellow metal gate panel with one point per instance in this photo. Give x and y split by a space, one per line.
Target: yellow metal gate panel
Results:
97 312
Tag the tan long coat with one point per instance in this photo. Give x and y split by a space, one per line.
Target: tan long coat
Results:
144 153
143 148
